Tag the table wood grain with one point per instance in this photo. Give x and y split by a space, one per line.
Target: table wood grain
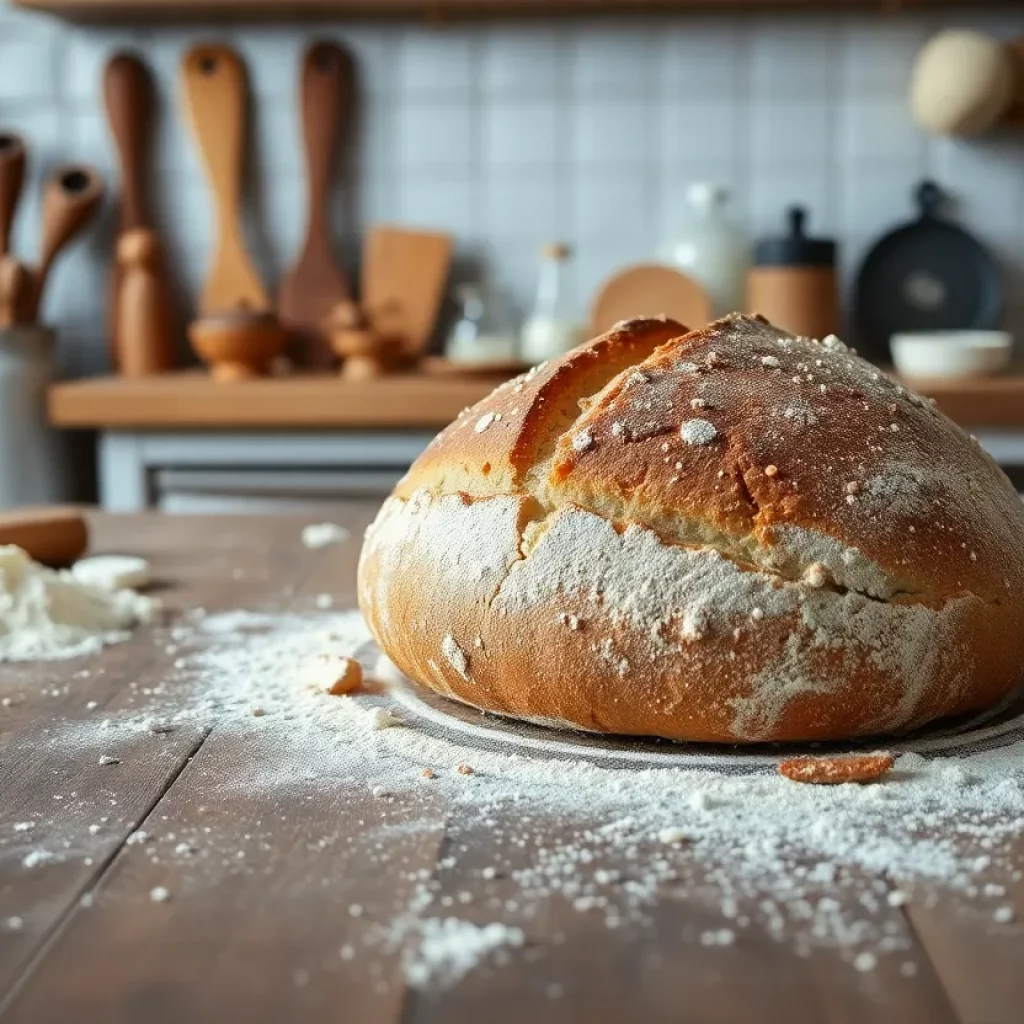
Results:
256 936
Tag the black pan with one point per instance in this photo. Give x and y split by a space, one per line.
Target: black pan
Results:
926 275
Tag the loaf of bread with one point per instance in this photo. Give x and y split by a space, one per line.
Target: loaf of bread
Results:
727 535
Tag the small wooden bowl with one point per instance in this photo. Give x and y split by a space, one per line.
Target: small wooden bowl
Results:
238 346
365 353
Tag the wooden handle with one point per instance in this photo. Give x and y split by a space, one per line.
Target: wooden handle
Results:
145 340
70 198
214 86
15 282
128 92
12 174
54 536
327 91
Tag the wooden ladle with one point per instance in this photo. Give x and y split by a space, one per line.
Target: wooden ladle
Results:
12 175
70 198
236 332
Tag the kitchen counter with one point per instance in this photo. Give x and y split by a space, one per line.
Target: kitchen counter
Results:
267 894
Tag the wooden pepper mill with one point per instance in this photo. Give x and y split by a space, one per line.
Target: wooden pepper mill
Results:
145 329
141 309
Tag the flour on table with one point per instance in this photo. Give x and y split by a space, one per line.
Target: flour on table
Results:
322 535
47 615
810 867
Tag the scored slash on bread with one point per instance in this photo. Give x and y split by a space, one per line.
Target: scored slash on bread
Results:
754 537
834 771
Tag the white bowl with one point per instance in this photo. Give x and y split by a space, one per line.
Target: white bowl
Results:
952 353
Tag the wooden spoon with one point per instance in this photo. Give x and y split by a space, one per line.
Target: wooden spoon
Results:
70 198
15 284
315 284
12 174
214 86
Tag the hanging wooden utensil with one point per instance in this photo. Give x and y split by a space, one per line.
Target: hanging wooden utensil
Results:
316 284
12 175
145 346
70 197
403 278
215 89
237 333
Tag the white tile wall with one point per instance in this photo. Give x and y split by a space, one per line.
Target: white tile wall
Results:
511 133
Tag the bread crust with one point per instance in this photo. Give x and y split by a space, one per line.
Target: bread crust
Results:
726 535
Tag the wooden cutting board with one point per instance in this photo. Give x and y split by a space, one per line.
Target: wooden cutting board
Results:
649 289
404 276
55 536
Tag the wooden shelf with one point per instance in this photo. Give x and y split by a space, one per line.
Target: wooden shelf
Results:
202 10
190 399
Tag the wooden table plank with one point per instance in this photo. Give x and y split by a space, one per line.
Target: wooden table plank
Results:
656 969
80 811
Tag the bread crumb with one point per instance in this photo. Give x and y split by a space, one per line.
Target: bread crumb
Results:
853 487
771 361
383 719
832 771
463 769
107 759
257 712
333 673
816 575
771 470
672 834
428 773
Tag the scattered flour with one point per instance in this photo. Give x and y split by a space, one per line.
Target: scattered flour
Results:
322 535
810 867
47 615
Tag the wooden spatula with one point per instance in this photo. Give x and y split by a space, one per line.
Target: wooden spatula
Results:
55 536
404 275
315 284
215 88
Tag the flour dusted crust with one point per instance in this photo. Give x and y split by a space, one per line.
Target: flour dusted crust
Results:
727 535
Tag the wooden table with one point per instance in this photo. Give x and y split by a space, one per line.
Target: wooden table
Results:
260 944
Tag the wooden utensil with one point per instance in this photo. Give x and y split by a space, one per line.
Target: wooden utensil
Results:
403 278
15 284
145 345
12 175
70 198
649 289
145 325
238 346
316 284
215 89
55 536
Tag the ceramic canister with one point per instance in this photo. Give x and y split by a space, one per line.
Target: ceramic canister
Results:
33 469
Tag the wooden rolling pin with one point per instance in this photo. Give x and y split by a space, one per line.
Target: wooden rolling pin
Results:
55 536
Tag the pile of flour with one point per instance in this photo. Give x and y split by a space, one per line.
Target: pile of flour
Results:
47 615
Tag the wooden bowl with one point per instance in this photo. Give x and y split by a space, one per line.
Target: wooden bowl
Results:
238 346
